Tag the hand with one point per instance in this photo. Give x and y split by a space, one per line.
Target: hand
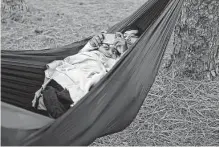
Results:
96 40
120 43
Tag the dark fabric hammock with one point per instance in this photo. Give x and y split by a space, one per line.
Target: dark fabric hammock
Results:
109 107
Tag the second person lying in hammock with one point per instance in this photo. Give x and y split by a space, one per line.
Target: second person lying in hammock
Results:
67 81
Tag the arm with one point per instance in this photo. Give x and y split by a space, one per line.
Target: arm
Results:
120 43
88 47
93 44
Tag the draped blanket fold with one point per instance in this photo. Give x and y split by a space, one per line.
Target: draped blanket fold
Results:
112 103
76 73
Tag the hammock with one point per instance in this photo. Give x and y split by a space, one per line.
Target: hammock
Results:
109 107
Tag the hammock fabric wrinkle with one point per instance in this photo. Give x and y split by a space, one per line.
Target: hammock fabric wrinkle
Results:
109 107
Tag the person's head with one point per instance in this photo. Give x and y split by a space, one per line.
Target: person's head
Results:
108 47
114 45
131 36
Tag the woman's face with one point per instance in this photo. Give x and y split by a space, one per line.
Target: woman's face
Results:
109 50
112 45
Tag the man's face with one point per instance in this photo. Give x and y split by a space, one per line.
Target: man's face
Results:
130 36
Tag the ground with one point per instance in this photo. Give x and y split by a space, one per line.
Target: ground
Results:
175 112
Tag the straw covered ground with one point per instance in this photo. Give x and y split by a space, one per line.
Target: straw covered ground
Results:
175 112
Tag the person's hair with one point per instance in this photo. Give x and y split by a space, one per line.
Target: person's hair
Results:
128 28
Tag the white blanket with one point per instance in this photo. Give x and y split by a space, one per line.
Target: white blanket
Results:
76 73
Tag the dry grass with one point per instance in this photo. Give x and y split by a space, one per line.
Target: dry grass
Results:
175 112
49 23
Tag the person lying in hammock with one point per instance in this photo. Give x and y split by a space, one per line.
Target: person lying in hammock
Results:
67 81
